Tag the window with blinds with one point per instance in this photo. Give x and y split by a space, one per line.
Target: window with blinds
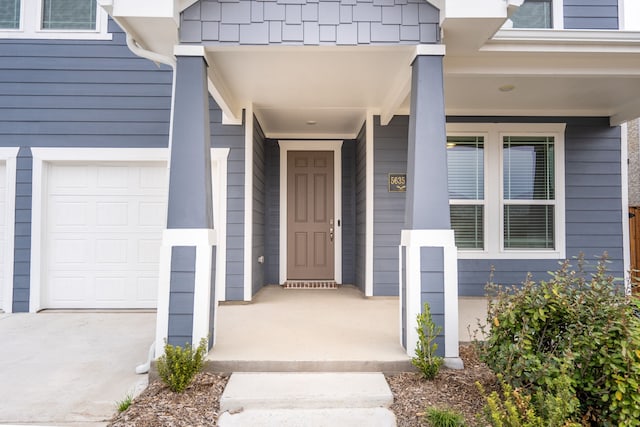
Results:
69 14
10 14
528 192
534 14
465 163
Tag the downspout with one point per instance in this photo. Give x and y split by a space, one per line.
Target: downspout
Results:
138 50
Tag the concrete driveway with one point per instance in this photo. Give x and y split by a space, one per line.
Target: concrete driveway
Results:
69 368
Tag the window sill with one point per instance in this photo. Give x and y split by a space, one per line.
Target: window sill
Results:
468 254
55 35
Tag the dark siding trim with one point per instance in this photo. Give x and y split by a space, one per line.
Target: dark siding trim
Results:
259 183
182 286
360 208
22 238
232 137
272 212
348 211
432 288
390 156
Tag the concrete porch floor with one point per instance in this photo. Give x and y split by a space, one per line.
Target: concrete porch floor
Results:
309 330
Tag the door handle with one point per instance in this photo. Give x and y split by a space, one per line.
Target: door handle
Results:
331 230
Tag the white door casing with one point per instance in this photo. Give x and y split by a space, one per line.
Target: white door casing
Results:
336 147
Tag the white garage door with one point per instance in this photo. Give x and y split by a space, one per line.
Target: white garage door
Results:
4 281
103 231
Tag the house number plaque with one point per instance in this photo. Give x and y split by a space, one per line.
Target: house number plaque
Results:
397 182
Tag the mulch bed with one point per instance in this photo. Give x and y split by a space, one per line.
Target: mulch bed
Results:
198 405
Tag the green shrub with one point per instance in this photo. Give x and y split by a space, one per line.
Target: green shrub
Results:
516 408
576 328
178 365
444 418
425 359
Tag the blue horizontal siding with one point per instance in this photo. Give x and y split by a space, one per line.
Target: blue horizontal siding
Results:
591 14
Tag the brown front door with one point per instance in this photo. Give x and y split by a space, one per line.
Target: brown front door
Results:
310 215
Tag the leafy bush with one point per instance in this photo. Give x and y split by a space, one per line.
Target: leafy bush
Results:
514 407
444 418
575 329
178 365
426 360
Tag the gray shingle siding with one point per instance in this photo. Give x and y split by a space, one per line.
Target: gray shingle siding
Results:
591 14
309 22
259 186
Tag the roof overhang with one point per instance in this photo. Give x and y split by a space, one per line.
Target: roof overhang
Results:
327 91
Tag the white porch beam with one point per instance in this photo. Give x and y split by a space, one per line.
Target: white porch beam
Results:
625 113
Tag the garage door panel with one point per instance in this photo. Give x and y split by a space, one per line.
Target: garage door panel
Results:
111 251
110 236
110 177
68 289
147 289
148 251
66 251
152 214
111 289
112 213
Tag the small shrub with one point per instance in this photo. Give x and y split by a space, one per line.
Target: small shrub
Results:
577 332
444 418
516 408
124 404
178 365
426 360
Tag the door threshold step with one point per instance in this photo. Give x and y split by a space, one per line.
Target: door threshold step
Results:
385 366
310 284
342 417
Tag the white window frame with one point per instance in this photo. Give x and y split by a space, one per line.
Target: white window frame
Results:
557 19
494 188
476 202
31 26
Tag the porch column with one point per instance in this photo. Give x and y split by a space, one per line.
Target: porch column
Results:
428 256
186 296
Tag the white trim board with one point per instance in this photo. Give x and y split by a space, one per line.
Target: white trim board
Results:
8 156
336 147
42 157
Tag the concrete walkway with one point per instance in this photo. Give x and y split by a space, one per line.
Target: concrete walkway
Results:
309 330
306 400
69 368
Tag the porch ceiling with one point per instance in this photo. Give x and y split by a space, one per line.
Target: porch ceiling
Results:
320 92
326 92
